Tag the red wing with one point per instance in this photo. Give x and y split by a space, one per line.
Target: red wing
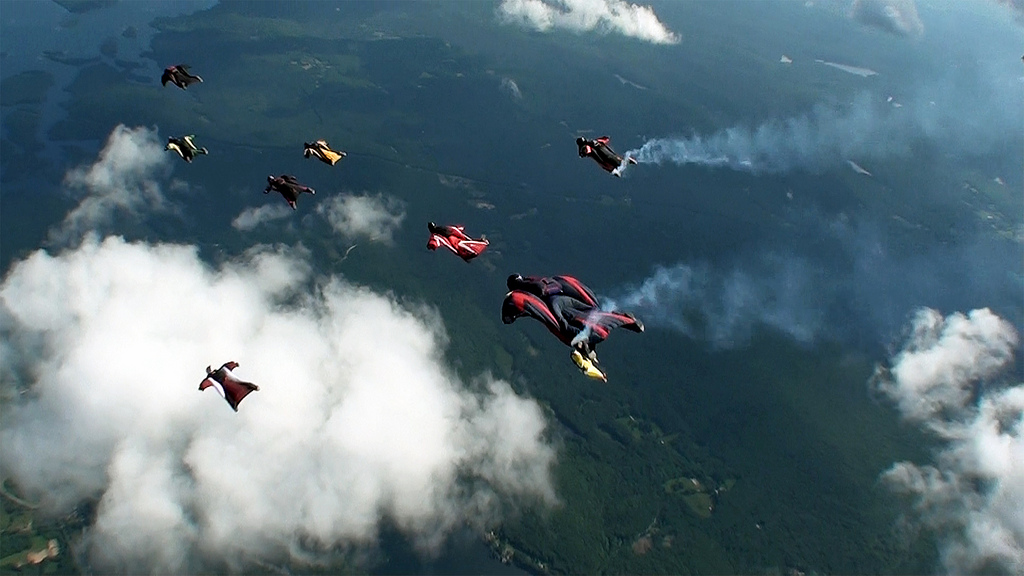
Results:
235 391
576 289
207 382
603 140
459 233
231 365
437 240
519 303
470 249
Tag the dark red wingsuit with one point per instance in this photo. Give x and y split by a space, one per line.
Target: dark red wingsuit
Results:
179 76
224 382
567 307
601 152
455 239
288 186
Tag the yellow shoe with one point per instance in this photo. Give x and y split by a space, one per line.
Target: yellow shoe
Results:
587 366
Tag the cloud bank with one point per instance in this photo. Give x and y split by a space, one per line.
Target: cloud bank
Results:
358 420
947 379
364 216
122 181
579 16
897 17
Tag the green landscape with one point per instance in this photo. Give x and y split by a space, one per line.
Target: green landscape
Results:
763 457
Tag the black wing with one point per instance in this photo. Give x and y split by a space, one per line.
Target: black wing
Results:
518 304
591 325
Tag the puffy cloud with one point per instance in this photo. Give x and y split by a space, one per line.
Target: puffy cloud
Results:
894 16
945 378
605 16
945 358
373 217
252 217
122 180
358 420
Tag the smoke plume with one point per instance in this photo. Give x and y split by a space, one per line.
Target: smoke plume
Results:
964 115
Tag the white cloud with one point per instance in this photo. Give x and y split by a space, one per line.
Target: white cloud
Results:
945 358
973 495
252 217
373 217
357 419
894 16
120 181
604 16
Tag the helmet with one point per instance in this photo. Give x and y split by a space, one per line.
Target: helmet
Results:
512 280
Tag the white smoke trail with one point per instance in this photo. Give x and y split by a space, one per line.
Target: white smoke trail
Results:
965 115
813 141
727 308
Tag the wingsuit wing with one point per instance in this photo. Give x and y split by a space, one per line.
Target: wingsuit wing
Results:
544 287
175 147
518 304
184 77
188 80
593 325
575 289
606 157
469 249
332 156
537 285
236 390
438 240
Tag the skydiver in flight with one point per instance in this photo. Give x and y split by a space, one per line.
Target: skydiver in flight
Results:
288 186
179 76
601 152
323 152
185 147
569 310
227 385
455 239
